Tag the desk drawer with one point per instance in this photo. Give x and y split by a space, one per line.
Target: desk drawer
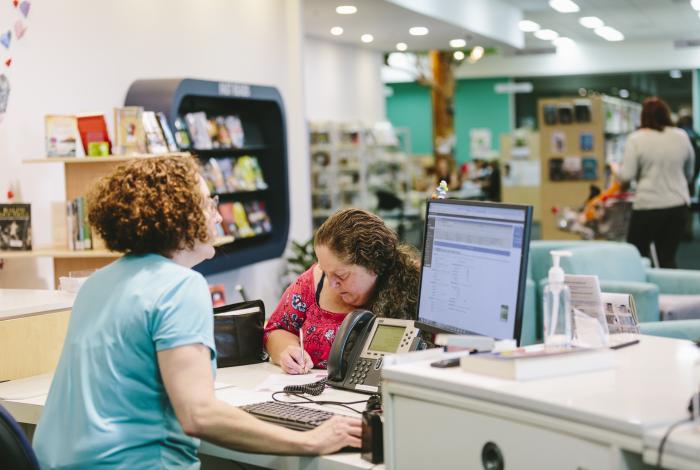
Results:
430 435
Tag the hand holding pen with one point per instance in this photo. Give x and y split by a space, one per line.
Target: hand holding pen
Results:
294 359
304 360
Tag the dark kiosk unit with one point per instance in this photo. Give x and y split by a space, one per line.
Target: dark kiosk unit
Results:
261 113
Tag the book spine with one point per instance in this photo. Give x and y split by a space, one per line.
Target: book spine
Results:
86 226
80 242
70 221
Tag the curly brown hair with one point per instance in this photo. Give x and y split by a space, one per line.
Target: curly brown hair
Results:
361 238
150 205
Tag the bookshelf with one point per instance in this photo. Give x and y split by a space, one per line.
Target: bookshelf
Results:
351 164
261 112
578 138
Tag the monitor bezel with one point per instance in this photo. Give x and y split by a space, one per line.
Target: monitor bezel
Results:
520 300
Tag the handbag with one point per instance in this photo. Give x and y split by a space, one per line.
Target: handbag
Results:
238 333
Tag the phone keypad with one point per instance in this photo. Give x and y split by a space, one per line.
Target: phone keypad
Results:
359 372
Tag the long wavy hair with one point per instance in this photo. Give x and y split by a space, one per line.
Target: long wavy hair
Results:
361 238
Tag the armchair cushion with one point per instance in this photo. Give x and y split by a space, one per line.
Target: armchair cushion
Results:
675 281
679 307
610 261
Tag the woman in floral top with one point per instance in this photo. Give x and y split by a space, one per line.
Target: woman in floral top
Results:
361 264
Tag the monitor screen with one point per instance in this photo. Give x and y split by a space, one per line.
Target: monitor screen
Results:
474 268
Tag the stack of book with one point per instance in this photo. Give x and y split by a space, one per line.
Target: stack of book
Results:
15 226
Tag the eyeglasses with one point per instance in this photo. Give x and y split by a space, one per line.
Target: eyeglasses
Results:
213 203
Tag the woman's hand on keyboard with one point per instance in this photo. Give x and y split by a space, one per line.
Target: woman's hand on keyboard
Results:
336 433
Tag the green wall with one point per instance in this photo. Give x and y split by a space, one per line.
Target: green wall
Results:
409 106
476 105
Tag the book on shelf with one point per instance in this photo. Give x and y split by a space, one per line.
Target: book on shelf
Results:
182 135
61 133
129 134
94 135
535 362
233 175
221 137
234 126
167 132
198 127
78 230
15 226
248 173
244 220
155 139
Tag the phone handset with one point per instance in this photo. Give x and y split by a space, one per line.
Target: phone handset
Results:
355 322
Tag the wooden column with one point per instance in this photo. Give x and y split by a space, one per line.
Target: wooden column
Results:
443 87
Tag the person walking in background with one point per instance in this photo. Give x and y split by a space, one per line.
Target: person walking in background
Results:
660 159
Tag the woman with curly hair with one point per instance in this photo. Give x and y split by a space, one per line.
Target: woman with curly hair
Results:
134 387
361 264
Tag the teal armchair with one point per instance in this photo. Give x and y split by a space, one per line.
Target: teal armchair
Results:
620 268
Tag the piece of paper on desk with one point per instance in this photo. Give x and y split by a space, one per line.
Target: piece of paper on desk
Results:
220 385
276 382
30 387
238 397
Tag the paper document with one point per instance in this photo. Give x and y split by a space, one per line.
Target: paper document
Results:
276 382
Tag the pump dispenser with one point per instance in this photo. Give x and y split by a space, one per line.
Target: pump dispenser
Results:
558 314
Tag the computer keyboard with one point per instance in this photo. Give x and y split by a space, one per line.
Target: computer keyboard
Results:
290 416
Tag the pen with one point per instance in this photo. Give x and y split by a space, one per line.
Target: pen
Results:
303 355
622 345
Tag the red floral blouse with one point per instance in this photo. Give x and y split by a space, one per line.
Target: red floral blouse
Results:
298 309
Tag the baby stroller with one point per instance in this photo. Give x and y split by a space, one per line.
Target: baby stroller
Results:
604 216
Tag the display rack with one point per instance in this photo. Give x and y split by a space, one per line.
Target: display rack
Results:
578 138
353 165
261 112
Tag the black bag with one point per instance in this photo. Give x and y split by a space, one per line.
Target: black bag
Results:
238 333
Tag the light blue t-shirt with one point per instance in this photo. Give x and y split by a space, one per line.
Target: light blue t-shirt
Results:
107 407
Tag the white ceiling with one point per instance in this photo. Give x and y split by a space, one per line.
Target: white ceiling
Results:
638 20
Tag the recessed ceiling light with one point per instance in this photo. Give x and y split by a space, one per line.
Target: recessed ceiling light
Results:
336 30
564 6
401 46
546 34
563 42
458 55
418 31
366 38
695 4
624 93
675 73
591 22
457 43
528 26
476 54
609 34
346 9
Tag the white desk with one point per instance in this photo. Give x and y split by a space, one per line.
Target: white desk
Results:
593 420
25 398
682 448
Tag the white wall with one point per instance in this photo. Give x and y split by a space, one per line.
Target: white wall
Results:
81 55
342 82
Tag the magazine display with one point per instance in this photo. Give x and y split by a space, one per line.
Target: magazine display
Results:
15 226
244 220
231 175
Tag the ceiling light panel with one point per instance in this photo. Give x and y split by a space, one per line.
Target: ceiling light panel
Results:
418 31
564 6
366 38
695 4
546 34
457 43
591 22
609 34
336 30
401 46
346 9
528 26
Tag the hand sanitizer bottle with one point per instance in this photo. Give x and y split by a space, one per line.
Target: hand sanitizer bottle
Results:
558 315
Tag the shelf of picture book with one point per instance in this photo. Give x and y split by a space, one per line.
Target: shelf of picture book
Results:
233 175
102 159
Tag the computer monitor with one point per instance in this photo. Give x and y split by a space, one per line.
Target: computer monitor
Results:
474 268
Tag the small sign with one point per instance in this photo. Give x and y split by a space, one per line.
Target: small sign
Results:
234 89
511 87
